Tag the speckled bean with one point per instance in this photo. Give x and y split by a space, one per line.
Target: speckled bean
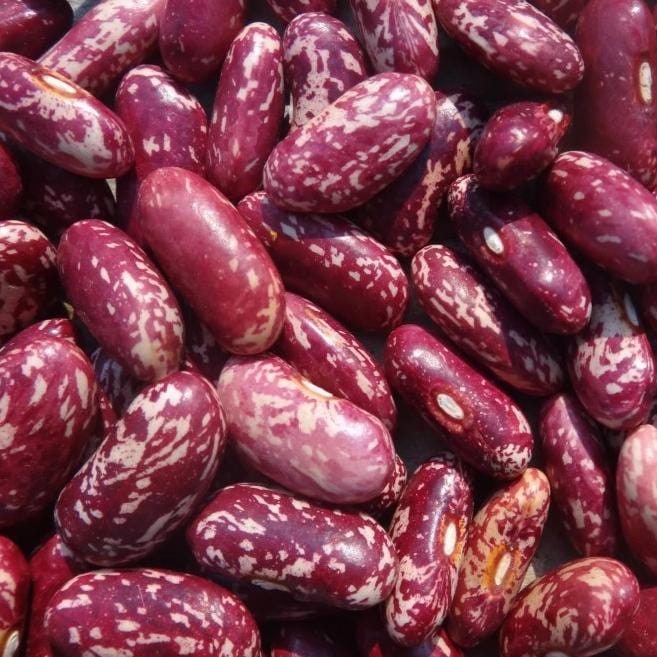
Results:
518 143
428 530
167 124
49 328
333 359
195 35
248 111
514 39
122 299
146 612
578 609
476 318
637 494
391 493
119 385
640 636
201 349
12 185
485 427
578 467
108 40
28 276
521 255
148 475
563 12
14 596
603 212
616 104
48 394
399 35
354 148
278 541
611 364
197 235
322 61
286 10
333 263
502 541
404 214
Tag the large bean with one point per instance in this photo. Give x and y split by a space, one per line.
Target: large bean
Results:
278 541
48 328
354 148
286 10
391 493
640 637
485 427
197 235
12 184
14 596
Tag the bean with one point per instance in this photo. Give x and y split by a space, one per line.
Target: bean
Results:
14 596
53 328
115 380
389 497
286 10
563 12
12 184
299 639
640 636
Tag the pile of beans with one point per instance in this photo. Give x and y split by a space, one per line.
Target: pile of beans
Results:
223 339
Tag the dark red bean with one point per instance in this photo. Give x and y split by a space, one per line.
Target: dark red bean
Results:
391 493
640 636
12 184
286 10
299 639
14 596
48 328
563 12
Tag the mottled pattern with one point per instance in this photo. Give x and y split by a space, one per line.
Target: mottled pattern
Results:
637 494
476 318
640 636
580 474
392 491
201 349
195 35
108 40
14 596
167 124
611 363
286 10
515 40
119 385
484 426
578 609
322 61
616 104
12 185
332 358
502 541
521 255
47 411
403 216
197 235
28 276
142 613
301 436
354 148
518 143
247 112
333 263
399 35
281 542
428 530
53 328
122 299
604 213
28 27
563 12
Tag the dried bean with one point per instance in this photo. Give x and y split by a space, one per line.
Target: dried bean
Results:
640 637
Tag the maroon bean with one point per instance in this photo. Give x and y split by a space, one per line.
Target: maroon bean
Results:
404 214
616 104
12 184
299 639
579 609
502 541
278 541
147 476
637 494
167 124
485 427
115 380
143 612
611 364
476 318
48 394
332 358
14 596
60 122
640 636
322 61
391 493
399 36
603 212
525 259
248 111
48 328
428 530
122 299
28 27
286 10
195 35
514 39
518 143
331 262
108 40
281 424
577 465
353 148
28 276
563 12
197 235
